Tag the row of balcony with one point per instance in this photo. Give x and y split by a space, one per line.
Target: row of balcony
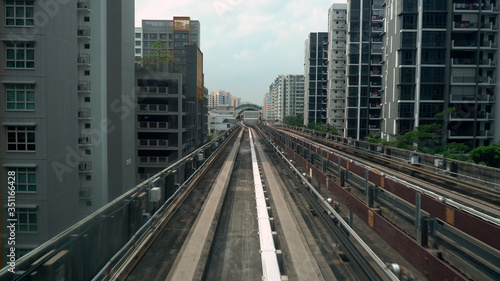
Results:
473 115
153 143
467 25
157 159
471 98
468 44
469 134
472 62
154 90
152 125
163 108
473 80
474 7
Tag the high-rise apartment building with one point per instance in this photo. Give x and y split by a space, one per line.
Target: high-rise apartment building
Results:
364 68
235 101
442 54
286 96
218 98
172 101
316 78
175 35
66 131
266 105
337 29
138 43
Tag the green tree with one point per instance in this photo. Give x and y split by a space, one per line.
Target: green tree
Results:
324 128
158 55
456 151
489 155
422 139
297 120
374 138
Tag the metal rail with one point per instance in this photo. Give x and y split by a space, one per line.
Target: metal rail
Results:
270 266
359 258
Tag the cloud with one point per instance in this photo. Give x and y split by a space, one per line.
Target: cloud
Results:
246 44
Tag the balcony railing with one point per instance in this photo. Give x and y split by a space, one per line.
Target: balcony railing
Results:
464 61
85 166
376 105
153 160
152 90
84 139
83 5
469 98
152 125
83 59
470 133
488 45
463 43
473 115
84 113
85 193
464 25
486 80
153 142
153 107
463 80
84 86
83 32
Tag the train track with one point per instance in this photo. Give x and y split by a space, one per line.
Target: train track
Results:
487 201
159 258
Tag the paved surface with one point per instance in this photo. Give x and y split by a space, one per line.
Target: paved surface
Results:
156 264
235 250
190 262
304 263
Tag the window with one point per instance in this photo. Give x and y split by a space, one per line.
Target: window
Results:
20 54
86 46
19 13
26 220
86 72
20 96
138 35
86 19
137 43
21 138
87 125
25 179
137 51
87 99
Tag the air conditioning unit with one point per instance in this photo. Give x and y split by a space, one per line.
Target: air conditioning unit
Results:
380 148
438 163
415 160
155 194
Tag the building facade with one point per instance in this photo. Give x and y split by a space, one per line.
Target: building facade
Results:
337 30
316 78
286 96
219 98
174 34
364 68
66 134
266 105
235 101
445 56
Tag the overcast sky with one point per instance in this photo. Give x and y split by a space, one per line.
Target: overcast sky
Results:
246 44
